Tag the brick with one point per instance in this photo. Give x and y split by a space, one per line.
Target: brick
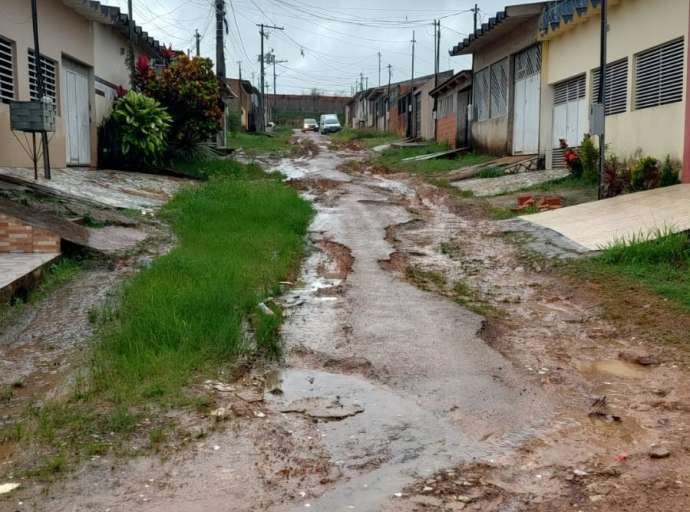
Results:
525 201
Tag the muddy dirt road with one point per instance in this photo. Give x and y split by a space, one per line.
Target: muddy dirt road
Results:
396 397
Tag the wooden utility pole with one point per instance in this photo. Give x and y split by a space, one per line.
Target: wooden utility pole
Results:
361 81
476 15
220 48
275 86
197 36
40 89
130 37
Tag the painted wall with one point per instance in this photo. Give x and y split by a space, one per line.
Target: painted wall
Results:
495 135
110 69
635 25
686 157
63 34
427 102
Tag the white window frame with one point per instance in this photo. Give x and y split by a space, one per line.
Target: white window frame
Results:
50 82
659 74
8 76
616 86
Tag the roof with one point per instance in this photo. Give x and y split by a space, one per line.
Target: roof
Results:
496 27
564 13
461 79
113 16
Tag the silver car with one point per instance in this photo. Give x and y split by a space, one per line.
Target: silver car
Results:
329 124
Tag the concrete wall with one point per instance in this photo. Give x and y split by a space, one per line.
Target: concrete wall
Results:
495 135
64 34
288 103
635 25
110 68
427 102
686 157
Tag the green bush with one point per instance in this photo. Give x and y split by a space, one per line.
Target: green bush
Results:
669 173
140 126
644 175
589 155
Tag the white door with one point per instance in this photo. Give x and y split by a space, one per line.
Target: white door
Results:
527 101
570 112
77 119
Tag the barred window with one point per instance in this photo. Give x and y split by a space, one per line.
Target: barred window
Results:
481 94
499 88
616 87
659 75
570 90
7 73
49 67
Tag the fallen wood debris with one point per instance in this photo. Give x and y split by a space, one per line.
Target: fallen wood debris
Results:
432 156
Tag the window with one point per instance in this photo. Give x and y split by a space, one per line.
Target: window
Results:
499 88
659 75
49 67
569 90
616 87
446 105
6 71
481 94
570 119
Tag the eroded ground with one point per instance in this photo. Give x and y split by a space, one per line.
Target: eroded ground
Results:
429 366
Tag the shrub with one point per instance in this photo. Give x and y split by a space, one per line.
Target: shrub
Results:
137 130
669 173
572 159
589 155
189 90
614 180
645 175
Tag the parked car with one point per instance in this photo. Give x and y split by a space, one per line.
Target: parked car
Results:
310 125
329 124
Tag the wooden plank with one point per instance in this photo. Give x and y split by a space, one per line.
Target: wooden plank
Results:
432 156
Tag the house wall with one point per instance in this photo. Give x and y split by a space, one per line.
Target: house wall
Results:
635 25
686 157
495 135
110 67
446 130
63 34
19 237
427 103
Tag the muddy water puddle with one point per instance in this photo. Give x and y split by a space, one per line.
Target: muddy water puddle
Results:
614 368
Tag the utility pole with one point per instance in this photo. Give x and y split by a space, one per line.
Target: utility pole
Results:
366 82
476 15
197 36
437 51
602 92
390 74
40 89
262 58
239 86
220 49
130 37
361 81
379 54
275 86
414 41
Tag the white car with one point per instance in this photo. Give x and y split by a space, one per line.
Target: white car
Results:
329 124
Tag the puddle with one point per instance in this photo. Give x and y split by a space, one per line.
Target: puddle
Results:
614 368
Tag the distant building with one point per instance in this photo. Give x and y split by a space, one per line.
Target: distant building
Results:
452 112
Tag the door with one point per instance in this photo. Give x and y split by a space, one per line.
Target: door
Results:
462 131
76 114
527 101
570 116
418 115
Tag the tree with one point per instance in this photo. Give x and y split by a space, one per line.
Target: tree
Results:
190 92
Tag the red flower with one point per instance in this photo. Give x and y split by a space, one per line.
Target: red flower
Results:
168 53
143 65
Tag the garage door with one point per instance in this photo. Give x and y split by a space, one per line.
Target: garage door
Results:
527 101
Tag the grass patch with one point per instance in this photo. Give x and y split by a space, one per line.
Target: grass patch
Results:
239 235
492 172
661 265
368 138
563 184
393 159
428 280
253 144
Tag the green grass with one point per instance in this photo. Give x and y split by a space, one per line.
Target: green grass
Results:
661 265
393 159
492 172
563 184
239 235
370 138
276 143
211 167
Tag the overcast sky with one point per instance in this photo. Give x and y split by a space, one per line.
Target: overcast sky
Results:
327 43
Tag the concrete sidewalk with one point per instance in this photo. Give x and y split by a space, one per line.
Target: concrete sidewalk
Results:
599 224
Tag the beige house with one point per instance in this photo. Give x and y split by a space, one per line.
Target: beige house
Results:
646 76
83 46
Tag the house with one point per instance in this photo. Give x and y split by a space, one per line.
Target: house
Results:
83 57
646 76
506 86
246 103
452 103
